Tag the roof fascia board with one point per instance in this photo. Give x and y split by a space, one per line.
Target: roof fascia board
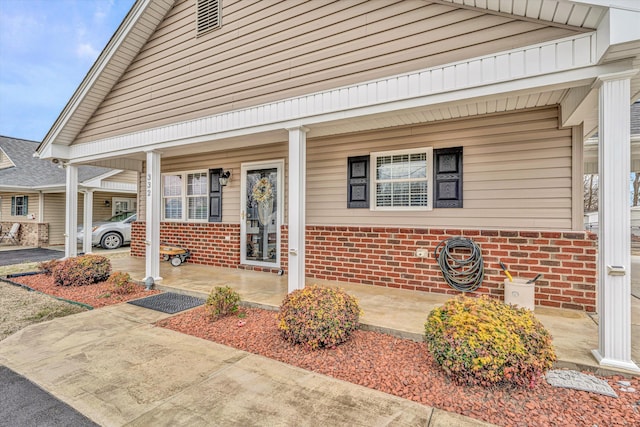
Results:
43 188
617 27
94 73
135 143
545 60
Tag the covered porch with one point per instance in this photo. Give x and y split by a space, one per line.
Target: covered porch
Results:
397 312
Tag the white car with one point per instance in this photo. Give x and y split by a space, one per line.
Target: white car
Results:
111 233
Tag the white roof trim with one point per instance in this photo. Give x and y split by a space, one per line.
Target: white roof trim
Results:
111 59
540 65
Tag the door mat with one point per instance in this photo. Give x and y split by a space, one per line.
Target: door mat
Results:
579 381
168 302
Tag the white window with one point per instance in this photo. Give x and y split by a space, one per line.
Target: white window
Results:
184 196
402 180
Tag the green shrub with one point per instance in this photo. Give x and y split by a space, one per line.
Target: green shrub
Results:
318 317
121 283
47 267
222 301
481 341
82 270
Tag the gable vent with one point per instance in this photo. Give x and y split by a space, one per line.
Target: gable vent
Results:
208 15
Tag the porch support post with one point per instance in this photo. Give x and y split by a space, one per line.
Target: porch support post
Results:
71 215
614 261
152 216
297 208
87 221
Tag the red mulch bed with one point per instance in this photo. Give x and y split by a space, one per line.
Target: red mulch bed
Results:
405 368
96 295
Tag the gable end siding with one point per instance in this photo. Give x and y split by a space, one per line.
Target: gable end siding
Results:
273 50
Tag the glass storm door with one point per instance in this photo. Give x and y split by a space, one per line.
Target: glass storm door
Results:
261 213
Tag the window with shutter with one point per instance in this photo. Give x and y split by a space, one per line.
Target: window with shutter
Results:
215 195
19 205
208 15
447 176
358 182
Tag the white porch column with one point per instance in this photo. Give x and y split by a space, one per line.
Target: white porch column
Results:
152 216
71 215
87 221
297 211
614 260
40 217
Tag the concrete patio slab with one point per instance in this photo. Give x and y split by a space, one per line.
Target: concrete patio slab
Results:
116 368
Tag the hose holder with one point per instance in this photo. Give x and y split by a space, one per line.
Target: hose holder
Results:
462 273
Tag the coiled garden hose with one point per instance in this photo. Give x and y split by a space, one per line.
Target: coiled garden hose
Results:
462 274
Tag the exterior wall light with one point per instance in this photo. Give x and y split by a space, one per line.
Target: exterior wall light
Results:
224 178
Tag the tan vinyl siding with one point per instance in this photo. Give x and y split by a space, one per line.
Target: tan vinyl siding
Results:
54 211
230 160
32 208
517 173
5 161
267 50
129 177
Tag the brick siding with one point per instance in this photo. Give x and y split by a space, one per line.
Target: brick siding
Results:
385 256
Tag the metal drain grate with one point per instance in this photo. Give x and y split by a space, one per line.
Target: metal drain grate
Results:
168 302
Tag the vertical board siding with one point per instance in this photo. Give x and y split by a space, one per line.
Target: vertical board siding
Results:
517 173
270 50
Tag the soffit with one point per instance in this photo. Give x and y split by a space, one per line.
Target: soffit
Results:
559 12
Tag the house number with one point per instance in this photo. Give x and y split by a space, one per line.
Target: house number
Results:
148 185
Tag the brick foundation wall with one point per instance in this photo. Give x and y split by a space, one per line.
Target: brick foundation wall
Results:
385 256
210 243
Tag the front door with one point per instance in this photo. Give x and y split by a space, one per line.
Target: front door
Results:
261 213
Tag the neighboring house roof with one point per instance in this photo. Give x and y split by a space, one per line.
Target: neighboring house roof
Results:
29 172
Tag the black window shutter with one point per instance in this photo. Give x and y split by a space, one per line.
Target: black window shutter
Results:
13 205
447 177
358 182
25 204
215 195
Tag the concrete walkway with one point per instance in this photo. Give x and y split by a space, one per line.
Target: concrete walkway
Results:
397 311
116 368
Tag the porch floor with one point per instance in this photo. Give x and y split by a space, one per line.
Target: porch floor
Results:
396 311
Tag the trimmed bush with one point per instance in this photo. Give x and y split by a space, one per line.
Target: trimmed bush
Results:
121 283
317 316
82 270
222 301
481 341
47 267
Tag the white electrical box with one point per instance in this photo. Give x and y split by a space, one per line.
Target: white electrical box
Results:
421 252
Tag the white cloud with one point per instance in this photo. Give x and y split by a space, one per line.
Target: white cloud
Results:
85 50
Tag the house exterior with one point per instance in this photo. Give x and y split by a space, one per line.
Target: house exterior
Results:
32 193
353 133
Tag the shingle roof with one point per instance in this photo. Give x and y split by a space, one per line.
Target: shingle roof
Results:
32 172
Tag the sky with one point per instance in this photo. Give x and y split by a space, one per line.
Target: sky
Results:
46 49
